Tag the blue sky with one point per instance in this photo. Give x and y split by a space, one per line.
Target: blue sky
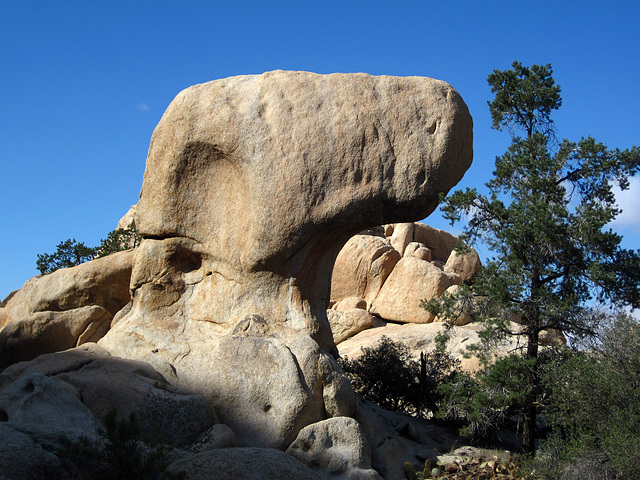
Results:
84 83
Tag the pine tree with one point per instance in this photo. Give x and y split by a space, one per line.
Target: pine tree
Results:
545 220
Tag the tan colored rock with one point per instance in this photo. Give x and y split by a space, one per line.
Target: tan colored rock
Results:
45 332
402 236
242 464
216 288
322 156
350 303
411 281
421 338
128 220
552 337
346 323
269 380
464 264
101 383
335 448
64 309
396 438
418 250
440 243
461 312
361 268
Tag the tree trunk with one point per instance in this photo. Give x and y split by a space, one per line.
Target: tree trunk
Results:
529 410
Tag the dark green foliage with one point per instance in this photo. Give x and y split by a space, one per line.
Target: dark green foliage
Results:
117 241
388 376
68 254
119 454
485 402
545 219
71 253
524 98
595 395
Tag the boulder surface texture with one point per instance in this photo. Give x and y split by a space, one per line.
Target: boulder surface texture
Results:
252 186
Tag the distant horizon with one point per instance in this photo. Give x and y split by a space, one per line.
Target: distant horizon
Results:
88 83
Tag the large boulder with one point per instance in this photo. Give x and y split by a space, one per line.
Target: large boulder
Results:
411 281
71 392
252 186
336 448
422 338
362 267
64 309
241 464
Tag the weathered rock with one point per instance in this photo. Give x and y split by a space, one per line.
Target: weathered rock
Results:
269 381
218 436
128 220
461 311
361 268
23 459
44 332
321 157
411 281
347 323
402 236
242 464
466 264
46 408
396 438
94 382
350 303
440 243
418 250
552 337
64 309
421 338
336 449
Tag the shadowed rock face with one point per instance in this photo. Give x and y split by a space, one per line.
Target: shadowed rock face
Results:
252 186
254 183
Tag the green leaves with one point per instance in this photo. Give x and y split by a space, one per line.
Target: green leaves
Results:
68 254
71 253
545 219
387 375
524 98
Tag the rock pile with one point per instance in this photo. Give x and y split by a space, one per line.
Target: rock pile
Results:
227 313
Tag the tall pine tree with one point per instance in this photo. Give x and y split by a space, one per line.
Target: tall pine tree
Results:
546 221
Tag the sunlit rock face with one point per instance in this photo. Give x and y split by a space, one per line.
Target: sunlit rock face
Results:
252 186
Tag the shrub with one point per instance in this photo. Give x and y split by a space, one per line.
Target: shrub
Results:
387 375
118 454
595 400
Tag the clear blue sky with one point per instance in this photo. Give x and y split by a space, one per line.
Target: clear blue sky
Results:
84 83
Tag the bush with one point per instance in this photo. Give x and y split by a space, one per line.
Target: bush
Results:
119 454
387 375
485 403
595 400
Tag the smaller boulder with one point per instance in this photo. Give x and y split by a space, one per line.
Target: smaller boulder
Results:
466 264
411 281
418 250
245 463
336 449
347 323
